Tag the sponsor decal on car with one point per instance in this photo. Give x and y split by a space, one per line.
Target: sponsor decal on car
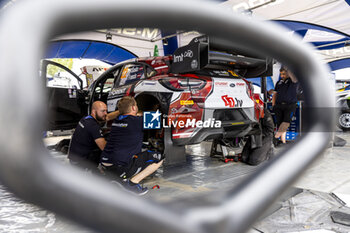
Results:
239 103
118 91
220 73
233 73
186 102
229 101
221 83
180 57
232 102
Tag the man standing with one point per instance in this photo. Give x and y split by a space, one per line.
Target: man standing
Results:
87 141
123 156
284 103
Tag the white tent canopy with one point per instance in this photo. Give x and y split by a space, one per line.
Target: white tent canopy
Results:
326 21
334 14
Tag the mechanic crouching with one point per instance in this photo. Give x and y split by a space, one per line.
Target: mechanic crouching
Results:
87 141
123 157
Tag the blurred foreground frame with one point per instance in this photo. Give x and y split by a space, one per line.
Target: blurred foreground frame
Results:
28 171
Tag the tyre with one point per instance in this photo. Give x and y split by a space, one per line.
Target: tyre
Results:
65 149
258 155
344 120
61 144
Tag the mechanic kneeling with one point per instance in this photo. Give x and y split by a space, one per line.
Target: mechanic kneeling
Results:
87 141
123 157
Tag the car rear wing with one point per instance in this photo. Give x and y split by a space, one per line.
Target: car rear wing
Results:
201 54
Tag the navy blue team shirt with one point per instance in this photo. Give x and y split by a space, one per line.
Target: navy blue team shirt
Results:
125 140
286 91
83 140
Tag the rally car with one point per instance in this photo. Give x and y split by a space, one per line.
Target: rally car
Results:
196 93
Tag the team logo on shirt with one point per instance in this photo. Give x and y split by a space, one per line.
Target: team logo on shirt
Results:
151 120
120 125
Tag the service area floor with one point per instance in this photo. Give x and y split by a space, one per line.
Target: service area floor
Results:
306 207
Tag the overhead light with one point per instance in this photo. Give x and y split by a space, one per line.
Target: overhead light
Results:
108 36
165 41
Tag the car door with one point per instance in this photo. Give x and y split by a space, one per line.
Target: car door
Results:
101 88
65 96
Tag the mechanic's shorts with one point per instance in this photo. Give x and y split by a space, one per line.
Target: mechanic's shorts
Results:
138 163
284 113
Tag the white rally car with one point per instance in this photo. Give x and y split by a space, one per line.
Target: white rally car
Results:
200 95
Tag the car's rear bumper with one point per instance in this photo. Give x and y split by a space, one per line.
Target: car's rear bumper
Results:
228 130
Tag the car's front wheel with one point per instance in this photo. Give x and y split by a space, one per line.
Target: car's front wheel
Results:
344 120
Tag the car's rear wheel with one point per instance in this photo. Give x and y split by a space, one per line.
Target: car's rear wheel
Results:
153 138
160 139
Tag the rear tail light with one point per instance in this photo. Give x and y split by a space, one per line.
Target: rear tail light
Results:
250 88
258 103
199 96
182 84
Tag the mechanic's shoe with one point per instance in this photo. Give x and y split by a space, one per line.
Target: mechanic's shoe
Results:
135 188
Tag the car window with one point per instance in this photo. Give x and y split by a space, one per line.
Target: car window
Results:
59 78
108 82
107 87
131 73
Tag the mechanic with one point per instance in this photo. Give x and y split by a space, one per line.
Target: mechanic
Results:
87 141
122 157
284 103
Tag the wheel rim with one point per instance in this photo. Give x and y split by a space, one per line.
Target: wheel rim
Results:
344 120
